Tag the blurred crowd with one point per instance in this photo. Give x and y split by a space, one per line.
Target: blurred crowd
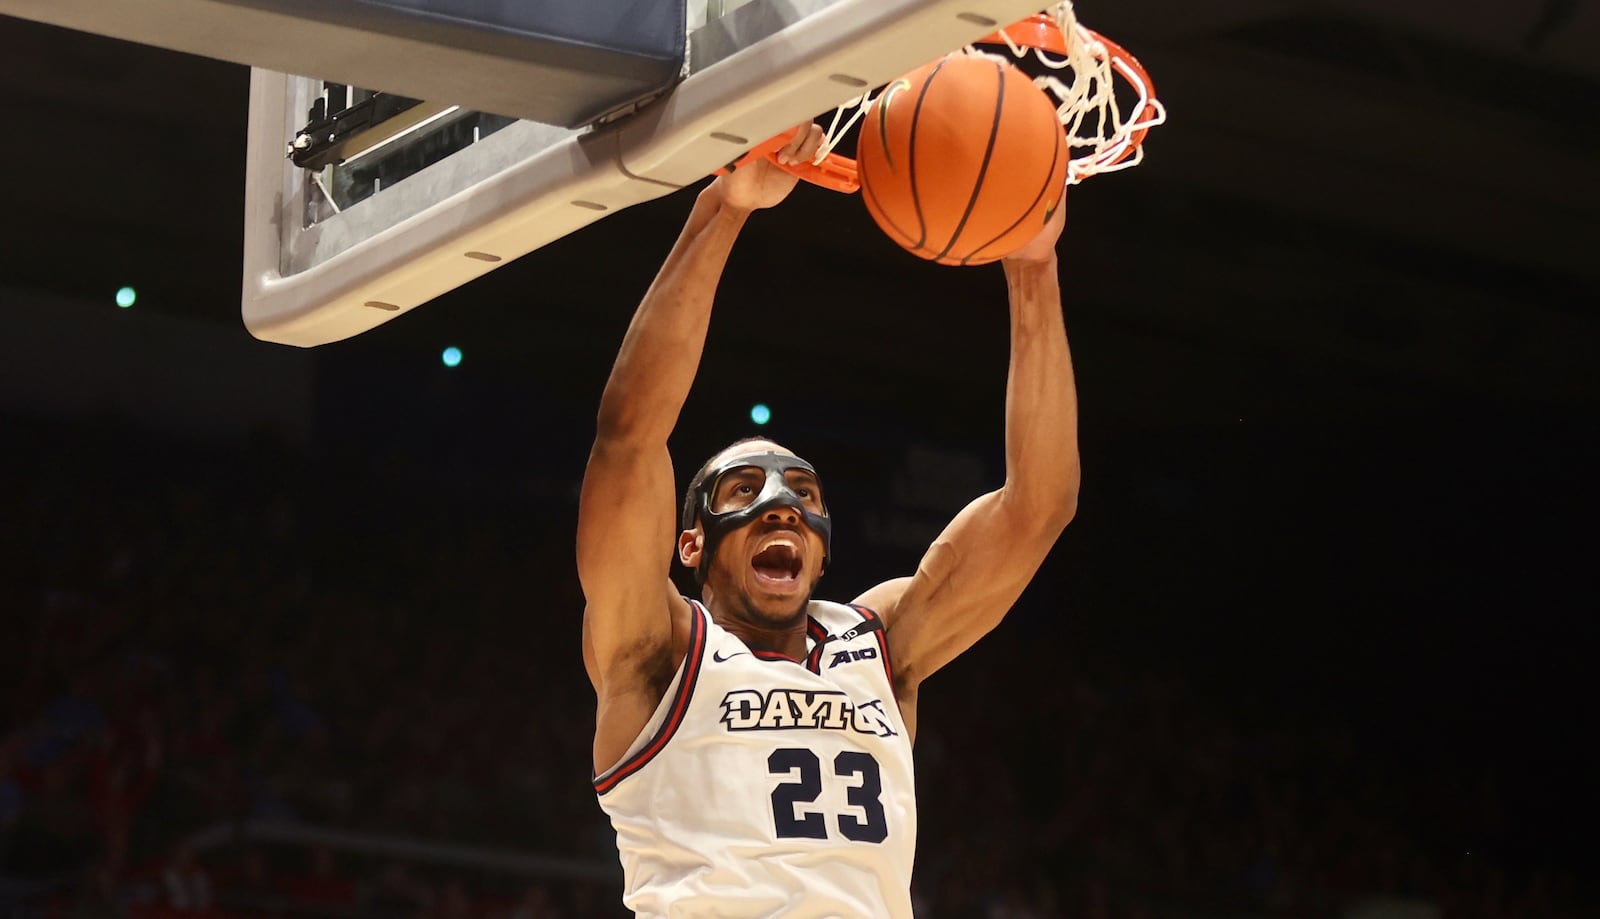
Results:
199 638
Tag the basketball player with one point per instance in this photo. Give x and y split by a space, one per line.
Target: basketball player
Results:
753 747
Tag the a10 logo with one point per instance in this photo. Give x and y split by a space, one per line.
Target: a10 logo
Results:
845 657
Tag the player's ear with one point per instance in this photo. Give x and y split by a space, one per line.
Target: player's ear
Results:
690 544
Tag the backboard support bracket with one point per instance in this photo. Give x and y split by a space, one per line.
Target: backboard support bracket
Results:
530 184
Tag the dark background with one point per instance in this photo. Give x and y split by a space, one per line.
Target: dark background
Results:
1335 342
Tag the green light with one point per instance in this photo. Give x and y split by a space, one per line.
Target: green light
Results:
451 356
126 296
760 414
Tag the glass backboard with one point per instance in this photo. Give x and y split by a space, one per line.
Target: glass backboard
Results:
362 205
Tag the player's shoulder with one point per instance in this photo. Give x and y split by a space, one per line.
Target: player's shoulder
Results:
837 616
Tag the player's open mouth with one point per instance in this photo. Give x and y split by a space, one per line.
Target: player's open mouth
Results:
778 563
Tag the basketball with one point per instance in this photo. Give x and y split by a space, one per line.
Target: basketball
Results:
962 161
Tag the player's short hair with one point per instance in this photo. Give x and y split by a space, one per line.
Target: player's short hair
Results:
691 510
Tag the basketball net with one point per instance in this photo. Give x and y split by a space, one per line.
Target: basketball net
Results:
1082 66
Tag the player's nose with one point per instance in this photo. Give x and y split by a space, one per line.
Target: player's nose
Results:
782 514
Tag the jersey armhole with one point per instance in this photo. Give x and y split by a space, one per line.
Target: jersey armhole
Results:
882 635
693 660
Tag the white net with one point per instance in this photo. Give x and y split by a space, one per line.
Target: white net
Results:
1078 68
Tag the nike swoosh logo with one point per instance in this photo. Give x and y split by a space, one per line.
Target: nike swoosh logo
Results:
717 656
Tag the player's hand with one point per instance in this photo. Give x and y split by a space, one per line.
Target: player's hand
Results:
1042 248
760 183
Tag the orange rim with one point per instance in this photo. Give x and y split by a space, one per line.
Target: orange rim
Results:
1041 31
1037 31
1133 72
836 172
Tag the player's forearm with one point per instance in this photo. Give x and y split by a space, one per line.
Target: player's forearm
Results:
1042 467
660 354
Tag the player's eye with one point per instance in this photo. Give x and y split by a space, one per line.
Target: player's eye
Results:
740 493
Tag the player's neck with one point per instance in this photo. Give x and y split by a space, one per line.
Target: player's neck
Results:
760 631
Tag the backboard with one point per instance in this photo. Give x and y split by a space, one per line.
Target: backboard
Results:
362 205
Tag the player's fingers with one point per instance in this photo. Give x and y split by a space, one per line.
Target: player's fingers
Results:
793 151
1058 220
811 137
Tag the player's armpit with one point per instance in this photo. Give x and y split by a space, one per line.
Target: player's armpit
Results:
625 537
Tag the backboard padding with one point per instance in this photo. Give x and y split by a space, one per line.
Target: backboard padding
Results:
783 62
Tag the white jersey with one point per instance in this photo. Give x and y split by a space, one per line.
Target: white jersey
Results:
768 787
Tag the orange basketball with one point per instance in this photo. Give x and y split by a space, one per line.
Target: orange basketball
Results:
962 161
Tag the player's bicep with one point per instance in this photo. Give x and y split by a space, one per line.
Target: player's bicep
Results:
966 582
625 540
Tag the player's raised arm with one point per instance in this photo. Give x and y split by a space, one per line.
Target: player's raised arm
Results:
626 527
982 561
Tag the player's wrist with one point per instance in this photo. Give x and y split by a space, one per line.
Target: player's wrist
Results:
725 204
1025 263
